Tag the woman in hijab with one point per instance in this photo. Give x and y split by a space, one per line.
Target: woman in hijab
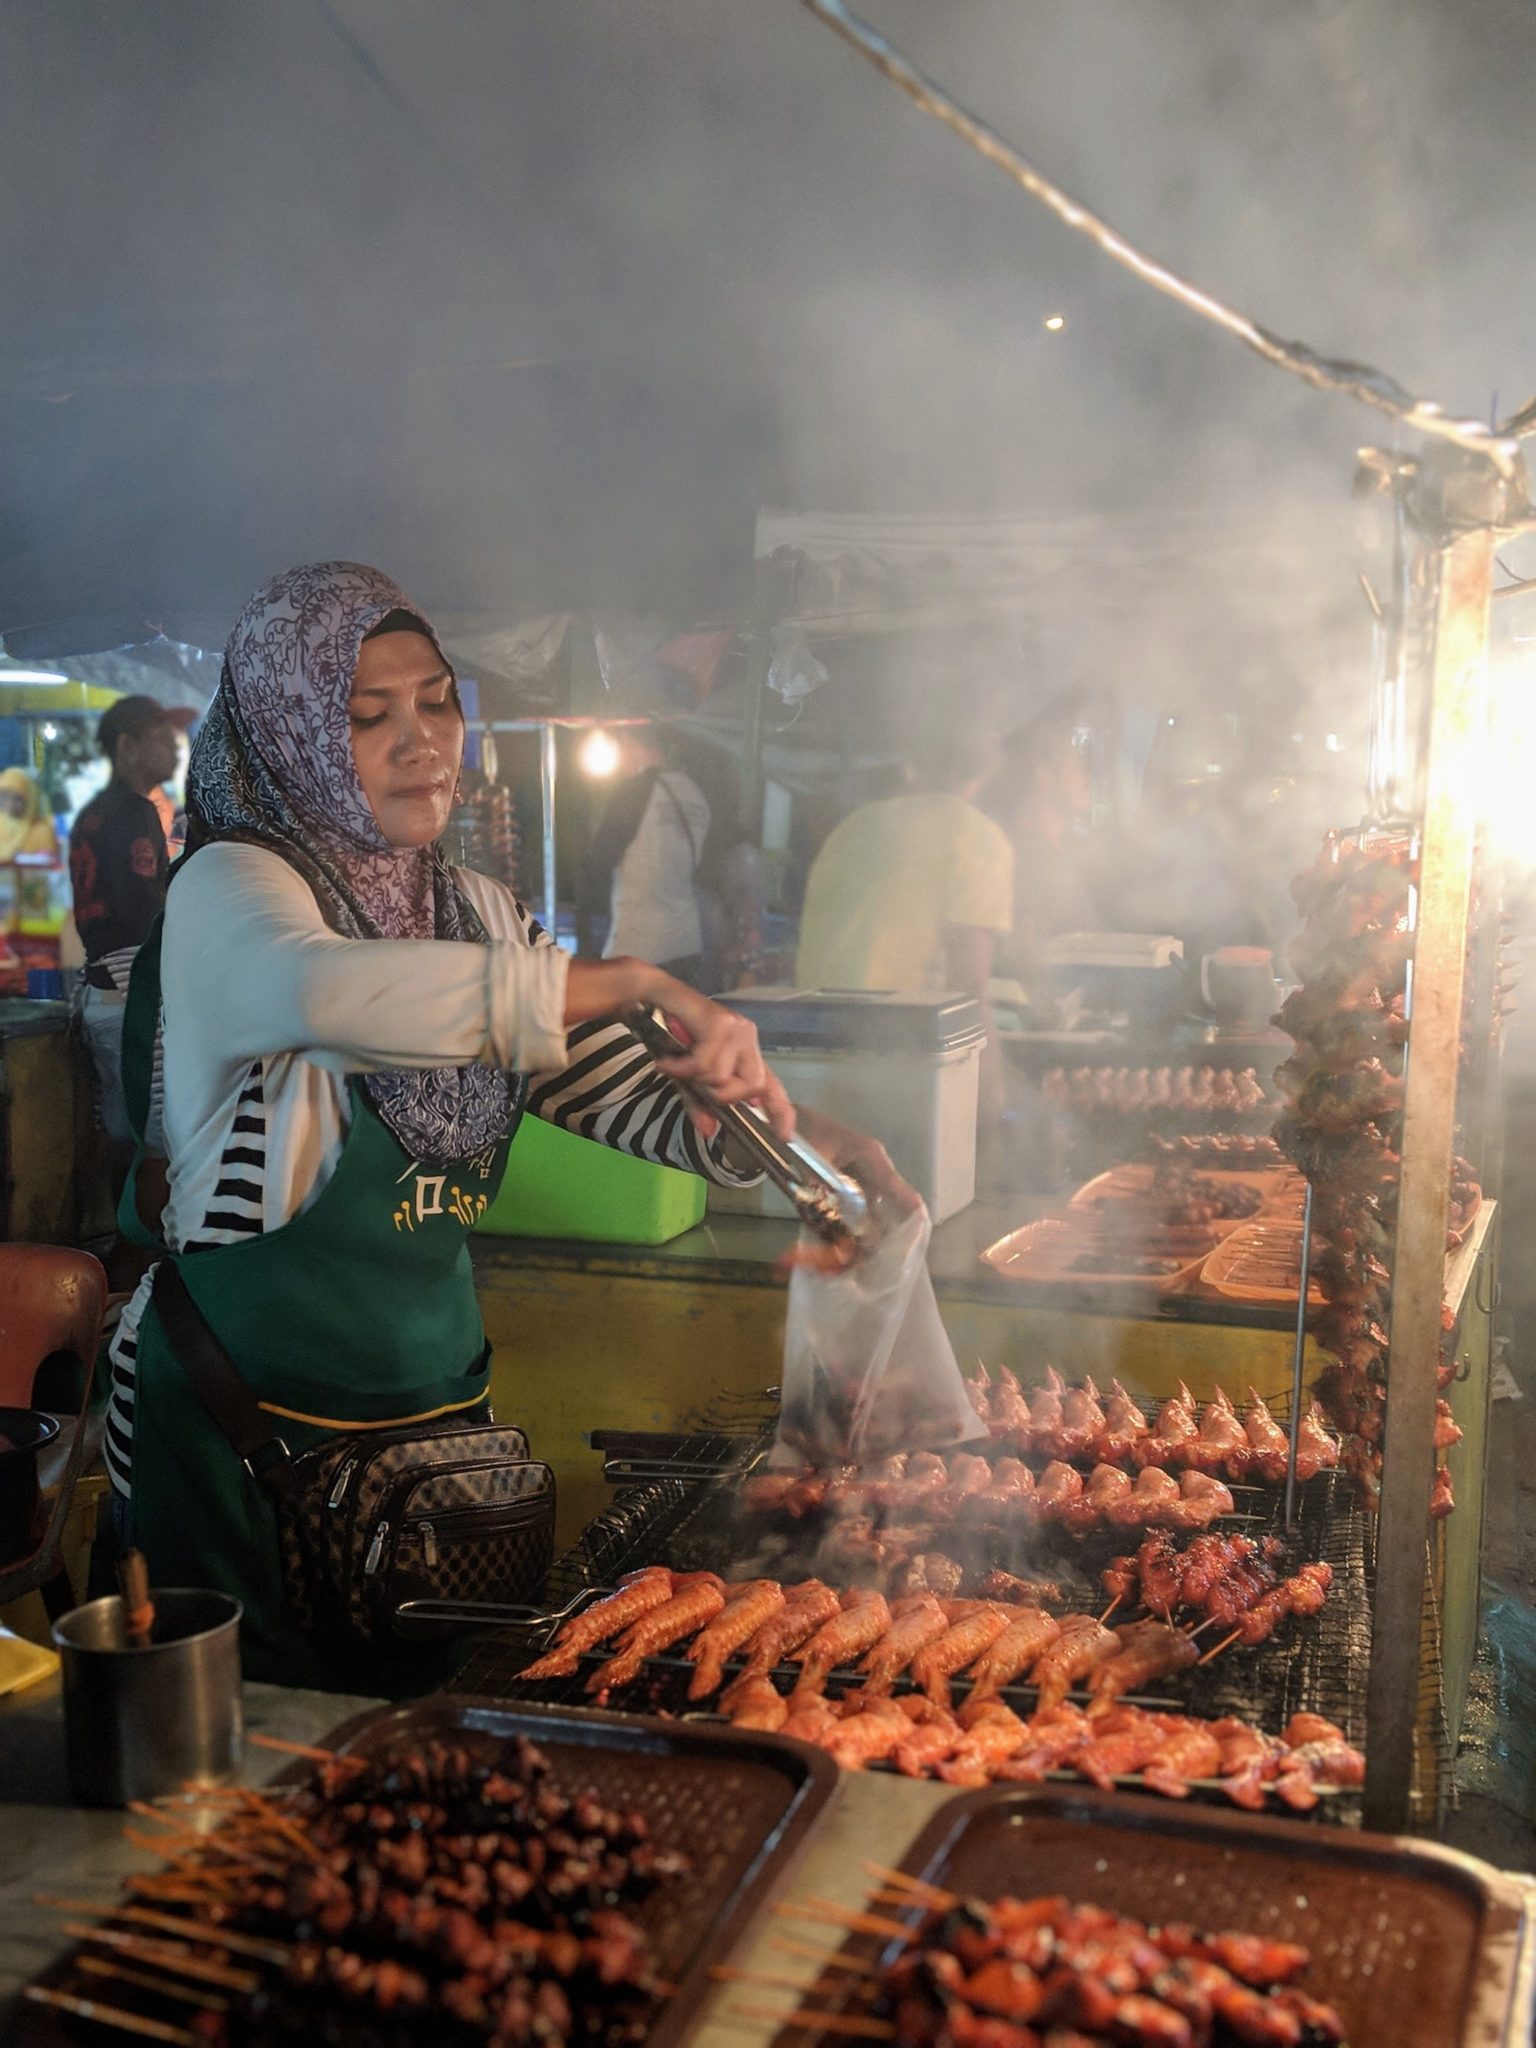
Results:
25 826
352 1029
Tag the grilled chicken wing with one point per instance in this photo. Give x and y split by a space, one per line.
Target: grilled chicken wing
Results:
636 1595
1030 1631
920 1622
748 1608
864 1619
1148 1650
686 1611
961 1644
1082 1645
1124 1427
1175 1425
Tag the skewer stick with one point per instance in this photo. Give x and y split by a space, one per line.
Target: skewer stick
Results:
165 1955
727 1973
922 1892
272 1822
829 1958
162 1987
1225 1644
179 1893
1109 1610
168 1821
222 1844
308 1749
853 2024
110 2015
138 1608
824 1911
176 1923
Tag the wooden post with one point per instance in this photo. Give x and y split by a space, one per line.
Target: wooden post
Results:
1463 570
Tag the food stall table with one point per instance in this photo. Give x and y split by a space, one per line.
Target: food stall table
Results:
58 1849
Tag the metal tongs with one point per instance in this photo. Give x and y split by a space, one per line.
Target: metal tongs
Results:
828 1202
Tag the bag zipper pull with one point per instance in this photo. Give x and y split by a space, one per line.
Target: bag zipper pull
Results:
429 1546
375 1550
343 1481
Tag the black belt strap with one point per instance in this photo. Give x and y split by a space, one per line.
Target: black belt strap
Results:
218 1384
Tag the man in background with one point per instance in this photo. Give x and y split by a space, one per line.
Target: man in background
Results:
117 866
645 856
1042 796
913 892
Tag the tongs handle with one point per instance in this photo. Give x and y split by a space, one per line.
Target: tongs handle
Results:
826 1200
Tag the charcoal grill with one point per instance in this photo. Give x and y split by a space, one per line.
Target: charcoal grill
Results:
1314 1666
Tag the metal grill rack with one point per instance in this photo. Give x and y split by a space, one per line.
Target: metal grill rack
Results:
1317 1665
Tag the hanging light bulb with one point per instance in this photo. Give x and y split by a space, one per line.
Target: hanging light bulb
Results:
598 754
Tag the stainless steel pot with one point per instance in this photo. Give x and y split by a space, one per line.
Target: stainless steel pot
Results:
140 1722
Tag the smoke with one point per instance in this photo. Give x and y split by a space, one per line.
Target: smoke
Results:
538 302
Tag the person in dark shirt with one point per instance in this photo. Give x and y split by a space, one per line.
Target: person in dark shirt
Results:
117 868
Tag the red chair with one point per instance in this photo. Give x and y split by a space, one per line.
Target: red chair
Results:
52 1300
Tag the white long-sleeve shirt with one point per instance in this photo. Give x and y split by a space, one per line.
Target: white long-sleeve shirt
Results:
268 1013
655 908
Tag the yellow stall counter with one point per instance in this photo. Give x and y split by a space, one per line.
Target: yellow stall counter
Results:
651 1337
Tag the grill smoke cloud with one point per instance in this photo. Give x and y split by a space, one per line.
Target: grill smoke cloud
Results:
534 303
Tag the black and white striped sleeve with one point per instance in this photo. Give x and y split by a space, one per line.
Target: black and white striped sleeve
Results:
610 1091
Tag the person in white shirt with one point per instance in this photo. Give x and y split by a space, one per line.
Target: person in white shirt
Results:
352 1029
645 857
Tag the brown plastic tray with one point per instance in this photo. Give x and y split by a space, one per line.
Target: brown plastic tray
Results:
739 1805
1417 1946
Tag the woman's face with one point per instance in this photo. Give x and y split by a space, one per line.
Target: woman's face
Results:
407 736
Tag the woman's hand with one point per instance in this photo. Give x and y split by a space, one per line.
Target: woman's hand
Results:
865 1158
722 1056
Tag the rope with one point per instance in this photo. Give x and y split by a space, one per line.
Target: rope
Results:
1354 380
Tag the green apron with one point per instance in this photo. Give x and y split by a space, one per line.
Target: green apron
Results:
360 1311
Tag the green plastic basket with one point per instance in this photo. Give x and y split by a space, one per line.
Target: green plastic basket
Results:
559 1185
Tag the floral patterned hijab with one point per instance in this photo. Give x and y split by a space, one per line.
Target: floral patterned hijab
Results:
272 764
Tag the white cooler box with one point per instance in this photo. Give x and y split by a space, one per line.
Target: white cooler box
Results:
902 1067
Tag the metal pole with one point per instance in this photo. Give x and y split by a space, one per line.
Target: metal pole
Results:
1298 1360
547 817
759 661
1457 716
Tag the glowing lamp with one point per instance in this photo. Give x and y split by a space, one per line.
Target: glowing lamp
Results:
598 754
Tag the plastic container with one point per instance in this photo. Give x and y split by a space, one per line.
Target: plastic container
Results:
559 1185
903 1067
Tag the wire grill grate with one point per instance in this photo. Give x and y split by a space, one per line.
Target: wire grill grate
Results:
1314 1666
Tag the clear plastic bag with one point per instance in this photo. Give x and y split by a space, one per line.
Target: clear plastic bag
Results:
868 1366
